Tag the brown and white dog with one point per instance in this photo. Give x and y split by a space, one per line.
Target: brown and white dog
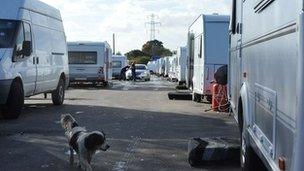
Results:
83 142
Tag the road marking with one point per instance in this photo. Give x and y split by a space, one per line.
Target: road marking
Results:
126 159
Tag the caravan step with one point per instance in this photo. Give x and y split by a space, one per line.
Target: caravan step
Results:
206 152
180 95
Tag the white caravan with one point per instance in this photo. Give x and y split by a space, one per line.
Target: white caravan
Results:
152 66
118 62
181 65
266 77
90 62
166 66
33 54
173 61
161 66
210 40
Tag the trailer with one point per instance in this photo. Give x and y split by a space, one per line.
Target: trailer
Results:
118 62
266 76
210 39
90 62
181 65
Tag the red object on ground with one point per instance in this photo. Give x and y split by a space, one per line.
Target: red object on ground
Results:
219 98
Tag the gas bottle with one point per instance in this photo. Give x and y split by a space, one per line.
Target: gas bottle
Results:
219 98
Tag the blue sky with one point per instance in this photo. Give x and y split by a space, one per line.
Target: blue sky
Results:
97 20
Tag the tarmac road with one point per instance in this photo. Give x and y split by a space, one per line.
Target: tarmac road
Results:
146 131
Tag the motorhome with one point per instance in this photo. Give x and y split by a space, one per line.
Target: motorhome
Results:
33 54
210 39
118 62
266 76
90 62
181 65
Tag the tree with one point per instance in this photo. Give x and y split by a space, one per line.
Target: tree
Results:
135 53
156 48
118 53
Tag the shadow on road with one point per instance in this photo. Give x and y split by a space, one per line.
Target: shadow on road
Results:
140 140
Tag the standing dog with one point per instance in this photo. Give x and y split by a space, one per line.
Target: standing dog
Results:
84 143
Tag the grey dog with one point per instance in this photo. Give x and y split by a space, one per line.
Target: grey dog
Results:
83 142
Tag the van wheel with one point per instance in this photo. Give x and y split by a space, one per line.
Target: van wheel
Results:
15 102
59 93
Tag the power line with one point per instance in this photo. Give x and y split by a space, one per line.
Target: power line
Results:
153 24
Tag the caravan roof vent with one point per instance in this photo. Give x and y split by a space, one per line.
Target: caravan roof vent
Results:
215 14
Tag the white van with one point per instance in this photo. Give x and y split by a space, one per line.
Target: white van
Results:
33 54
118 62
266 77
210 39
90 62
181 65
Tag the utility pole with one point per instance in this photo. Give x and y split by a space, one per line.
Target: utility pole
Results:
114 44
153 24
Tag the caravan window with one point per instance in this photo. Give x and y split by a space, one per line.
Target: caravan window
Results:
117 64
83 58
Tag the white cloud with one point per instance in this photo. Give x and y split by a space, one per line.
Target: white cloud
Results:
97 20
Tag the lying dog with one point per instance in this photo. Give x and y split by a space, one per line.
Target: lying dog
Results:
84 143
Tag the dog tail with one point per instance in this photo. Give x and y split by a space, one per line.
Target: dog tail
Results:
68 122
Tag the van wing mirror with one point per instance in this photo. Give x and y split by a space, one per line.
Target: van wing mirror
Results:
27 48
232 27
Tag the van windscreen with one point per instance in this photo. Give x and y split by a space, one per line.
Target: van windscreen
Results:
89 58
7 32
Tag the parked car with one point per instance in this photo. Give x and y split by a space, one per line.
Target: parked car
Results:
118 62
210 42
142 73
266 76
90 62
33 54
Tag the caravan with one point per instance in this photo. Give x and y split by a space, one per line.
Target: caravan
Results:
181 65
118 62
173 61
90 62
266 77
209 40
33 54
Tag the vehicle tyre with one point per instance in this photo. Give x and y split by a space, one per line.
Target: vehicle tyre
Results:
59 94
249 159
15 102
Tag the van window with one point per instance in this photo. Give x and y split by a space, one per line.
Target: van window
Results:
27 32
19 42
117 64
7 33
83 58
